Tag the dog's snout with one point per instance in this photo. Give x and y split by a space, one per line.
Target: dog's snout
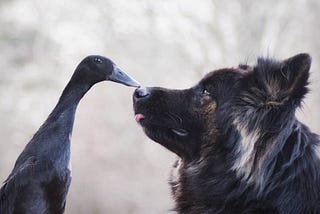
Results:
141 93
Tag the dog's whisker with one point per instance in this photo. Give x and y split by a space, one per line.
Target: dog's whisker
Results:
175 117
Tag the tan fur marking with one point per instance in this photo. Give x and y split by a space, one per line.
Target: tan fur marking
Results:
317 149
243 164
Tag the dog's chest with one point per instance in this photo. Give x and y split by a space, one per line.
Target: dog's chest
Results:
174 180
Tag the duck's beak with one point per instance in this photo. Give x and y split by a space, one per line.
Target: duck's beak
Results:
120 76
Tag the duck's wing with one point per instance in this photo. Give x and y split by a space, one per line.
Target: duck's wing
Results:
35 187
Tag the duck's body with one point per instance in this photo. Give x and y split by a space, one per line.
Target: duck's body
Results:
41 176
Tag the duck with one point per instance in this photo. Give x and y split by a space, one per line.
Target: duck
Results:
41 176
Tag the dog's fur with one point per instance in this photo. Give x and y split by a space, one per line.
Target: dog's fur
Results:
241 149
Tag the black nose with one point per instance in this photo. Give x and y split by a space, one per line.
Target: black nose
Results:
141 93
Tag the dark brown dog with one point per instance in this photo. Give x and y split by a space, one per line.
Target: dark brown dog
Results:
240 147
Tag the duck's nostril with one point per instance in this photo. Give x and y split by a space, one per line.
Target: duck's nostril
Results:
141 92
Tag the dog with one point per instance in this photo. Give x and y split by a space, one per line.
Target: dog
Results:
240 147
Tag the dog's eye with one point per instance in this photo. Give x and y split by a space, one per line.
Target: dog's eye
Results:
205 92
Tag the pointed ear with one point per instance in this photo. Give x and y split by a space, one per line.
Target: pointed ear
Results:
296 71
282 82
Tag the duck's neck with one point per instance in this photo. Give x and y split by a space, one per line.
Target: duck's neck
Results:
66 107
57 129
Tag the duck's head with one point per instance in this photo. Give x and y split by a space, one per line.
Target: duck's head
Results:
97 68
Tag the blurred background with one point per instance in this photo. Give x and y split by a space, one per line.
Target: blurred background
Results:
168 43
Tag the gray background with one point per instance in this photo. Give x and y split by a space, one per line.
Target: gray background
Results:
168 43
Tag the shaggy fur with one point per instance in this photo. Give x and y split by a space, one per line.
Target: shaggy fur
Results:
241 149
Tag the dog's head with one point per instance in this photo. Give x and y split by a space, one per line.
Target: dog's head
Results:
228 108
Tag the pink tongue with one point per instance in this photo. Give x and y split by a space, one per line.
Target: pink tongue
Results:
139 117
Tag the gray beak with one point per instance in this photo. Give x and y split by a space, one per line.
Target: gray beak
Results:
120 76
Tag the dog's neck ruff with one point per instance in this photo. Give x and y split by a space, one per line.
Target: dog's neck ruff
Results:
255 165
245 151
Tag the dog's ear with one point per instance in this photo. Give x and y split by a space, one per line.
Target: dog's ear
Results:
283 81
296 70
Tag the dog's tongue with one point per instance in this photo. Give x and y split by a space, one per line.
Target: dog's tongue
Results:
139 117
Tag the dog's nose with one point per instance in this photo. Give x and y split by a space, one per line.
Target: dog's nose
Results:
141 93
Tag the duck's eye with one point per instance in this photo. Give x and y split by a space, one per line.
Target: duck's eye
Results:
97 60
